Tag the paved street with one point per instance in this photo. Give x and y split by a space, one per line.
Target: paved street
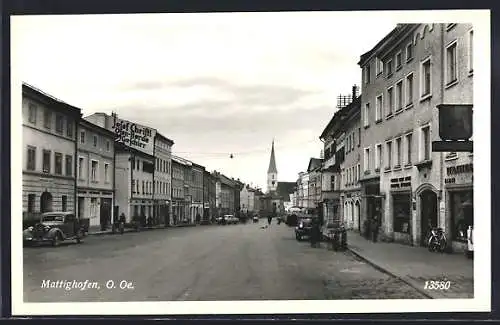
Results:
234 262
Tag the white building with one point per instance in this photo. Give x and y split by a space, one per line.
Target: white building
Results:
162 179
95 173
247 199
49 150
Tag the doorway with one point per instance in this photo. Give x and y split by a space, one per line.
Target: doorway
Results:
45 202
358 215
428 213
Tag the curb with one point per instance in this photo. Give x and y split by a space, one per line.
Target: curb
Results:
386 271
117 233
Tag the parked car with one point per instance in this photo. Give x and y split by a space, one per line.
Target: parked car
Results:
231 219
303 229
54 227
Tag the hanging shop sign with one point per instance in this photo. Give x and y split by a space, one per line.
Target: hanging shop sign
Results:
459 174
401 182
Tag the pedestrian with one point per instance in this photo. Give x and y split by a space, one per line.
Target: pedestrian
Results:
269 219
375 228
122 221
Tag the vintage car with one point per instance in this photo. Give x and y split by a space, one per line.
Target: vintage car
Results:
231 219
54 227
303 229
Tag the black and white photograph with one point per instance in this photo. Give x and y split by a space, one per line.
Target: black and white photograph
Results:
251 163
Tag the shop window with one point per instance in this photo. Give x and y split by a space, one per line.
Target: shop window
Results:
462 216
402 209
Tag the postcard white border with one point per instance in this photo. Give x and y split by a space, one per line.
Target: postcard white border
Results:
482 262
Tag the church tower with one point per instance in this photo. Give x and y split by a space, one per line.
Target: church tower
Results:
272 173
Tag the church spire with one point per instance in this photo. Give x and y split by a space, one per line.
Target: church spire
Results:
272 162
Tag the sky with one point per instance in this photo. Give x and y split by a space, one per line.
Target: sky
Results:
216 84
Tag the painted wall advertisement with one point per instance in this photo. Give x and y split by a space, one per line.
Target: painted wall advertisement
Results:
134 135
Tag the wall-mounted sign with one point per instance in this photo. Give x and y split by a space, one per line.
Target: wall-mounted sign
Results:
134 135
401 182
460 174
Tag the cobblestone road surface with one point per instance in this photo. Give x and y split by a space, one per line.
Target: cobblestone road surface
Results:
234 262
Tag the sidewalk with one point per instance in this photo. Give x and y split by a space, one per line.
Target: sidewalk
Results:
96 230
416 265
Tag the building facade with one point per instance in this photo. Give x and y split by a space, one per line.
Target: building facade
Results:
181 201
416 68
209 196
95 174
162 180
196 192
224 194
49 151
314 186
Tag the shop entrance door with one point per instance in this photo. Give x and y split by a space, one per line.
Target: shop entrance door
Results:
428 214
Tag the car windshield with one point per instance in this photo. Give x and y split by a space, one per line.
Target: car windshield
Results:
53 217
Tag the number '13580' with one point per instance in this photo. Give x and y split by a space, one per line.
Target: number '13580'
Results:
437 285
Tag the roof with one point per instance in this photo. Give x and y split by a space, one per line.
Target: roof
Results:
181 161
314 163
44 98
96 128
340 116
161 136
272 162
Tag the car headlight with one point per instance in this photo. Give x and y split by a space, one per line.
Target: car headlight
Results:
301 226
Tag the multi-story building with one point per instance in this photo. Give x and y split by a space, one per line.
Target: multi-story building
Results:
134 166
209 196
314 186
334 155
246 199
196 192
224 194
162 179
181 200
49 151
350 166
417 67
238 186
95 173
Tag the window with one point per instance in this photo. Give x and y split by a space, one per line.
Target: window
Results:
389 68
106 172
390 101
389 155
108 145
399 61
367 115
367 74
46 161
31 161
47 118
379 66
142 187
451 63
32 113
59 123
31 203
80 167
425 78
82 137
367 160
398 153
408 149
359 171
409 89
352 141
58 163
93 170
64 203
462 216
401 206
378 157
133 186
137 186
359 137
399 95
95 140
426 152
471 51
69 128
378 109
409 52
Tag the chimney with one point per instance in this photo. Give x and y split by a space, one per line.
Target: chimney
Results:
354 92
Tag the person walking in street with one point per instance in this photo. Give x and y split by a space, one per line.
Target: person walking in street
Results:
269 219
121 222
